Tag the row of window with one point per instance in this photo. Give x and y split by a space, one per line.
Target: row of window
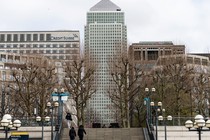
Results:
42 51
39 45
24 37
60 57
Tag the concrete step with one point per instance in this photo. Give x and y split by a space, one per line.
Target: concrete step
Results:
109 134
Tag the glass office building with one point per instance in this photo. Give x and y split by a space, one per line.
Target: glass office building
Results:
105 41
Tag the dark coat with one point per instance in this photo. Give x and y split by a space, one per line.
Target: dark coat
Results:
72 133
68 116
81 132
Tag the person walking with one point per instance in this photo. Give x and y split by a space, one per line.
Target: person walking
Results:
81 132
69 119
72 133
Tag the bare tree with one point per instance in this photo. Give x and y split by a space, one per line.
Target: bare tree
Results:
79 82
31 86
125 89
173 81
200 93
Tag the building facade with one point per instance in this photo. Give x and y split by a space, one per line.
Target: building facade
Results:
59 46
146 53
105 41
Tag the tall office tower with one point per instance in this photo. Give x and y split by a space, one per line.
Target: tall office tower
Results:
105 41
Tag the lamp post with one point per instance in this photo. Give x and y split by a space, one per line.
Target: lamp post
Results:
161 118
157 109
7 123
198 125
39 119
60 97
50 106
147 103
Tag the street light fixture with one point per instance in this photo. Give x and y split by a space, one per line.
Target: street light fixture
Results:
157 109
39 119
161 118
147 103
7 123
198 125
50 106
60 97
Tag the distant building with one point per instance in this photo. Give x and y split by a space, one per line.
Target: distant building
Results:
201 54
196 60
8 63
58 45
105 40
146 53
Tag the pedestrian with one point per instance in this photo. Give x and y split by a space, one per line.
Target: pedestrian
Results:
69 119
81 132
72 133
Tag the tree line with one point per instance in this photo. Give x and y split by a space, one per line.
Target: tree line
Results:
183 88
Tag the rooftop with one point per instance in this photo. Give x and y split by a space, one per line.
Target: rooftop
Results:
105 5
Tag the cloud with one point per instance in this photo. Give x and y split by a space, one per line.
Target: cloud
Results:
182 21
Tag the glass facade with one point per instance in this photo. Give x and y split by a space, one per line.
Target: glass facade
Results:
105 40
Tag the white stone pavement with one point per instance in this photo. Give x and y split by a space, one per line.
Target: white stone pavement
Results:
173 133
181 133
34 132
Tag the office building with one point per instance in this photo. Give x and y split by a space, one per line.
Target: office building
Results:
59 46
146 53
105 41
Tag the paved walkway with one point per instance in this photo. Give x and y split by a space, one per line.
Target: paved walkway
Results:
109 134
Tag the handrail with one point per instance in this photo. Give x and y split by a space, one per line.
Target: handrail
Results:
150 132
58 133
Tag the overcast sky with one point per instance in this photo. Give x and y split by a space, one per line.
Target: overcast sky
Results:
184 22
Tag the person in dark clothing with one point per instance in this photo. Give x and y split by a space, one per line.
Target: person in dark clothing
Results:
81 132
72 133
69 119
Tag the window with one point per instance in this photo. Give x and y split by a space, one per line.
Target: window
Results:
35 37
15 46
41 38
48 37
9 36
22 37
28 37
2 38
74 45
15 37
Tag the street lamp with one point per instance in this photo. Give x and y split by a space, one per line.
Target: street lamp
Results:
161 118
39 119
60 97
50 106
147 103
198 125
7 123
156 109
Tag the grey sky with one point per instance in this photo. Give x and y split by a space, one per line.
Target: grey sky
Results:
181 21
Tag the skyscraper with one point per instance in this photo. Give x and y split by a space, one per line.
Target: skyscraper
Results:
105 41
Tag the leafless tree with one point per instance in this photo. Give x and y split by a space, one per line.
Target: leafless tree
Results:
79 82
200 93
173 83
32 85
125 89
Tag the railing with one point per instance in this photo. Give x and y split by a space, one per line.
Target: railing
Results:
177 121
58 134
149 130
30 121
